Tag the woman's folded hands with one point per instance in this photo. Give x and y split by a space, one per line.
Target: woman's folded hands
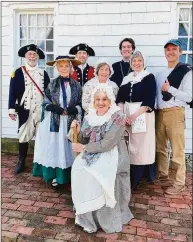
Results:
55 109
72 110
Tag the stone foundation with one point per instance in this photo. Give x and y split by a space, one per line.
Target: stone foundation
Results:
10 146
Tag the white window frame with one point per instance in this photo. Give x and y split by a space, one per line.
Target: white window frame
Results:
188 6
17 32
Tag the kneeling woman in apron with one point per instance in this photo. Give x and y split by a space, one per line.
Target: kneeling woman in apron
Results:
101 172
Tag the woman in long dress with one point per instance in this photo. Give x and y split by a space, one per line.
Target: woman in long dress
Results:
101 172
140 87
103 72
53 155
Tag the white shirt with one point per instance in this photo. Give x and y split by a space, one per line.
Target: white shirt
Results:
181 96
82 67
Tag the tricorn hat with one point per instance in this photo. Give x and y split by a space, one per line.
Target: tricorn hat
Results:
32 47
64 58
84 47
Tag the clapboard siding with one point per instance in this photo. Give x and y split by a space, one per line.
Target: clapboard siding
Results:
116 19
9 128
145 40
114 30
101 51
112 7
103 26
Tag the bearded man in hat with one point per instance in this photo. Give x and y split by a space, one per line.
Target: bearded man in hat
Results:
26 93
83 72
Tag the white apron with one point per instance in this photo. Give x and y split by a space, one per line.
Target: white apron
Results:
99 182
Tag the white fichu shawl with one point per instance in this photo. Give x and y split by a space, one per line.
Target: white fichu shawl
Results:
134 77
98 179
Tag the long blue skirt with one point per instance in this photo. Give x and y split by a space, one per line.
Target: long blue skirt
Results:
137 172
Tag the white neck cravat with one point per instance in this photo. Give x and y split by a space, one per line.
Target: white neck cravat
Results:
82 67
30 68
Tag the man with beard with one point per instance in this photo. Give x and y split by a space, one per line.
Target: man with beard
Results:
122 68
26 93
83 72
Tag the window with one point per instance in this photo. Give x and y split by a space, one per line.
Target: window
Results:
38 28
185 33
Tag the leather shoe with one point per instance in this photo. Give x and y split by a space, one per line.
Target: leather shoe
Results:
20 166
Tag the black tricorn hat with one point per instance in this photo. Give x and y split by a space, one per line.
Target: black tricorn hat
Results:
85 47
64 58
32 47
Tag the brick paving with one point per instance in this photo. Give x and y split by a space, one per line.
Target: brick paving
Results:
33 211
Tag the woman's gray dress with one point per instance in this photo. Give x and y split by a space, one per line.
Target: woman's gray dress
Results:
108 219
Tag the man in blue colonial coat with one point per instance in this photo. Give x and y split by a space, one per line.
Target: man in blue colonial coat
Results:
26 93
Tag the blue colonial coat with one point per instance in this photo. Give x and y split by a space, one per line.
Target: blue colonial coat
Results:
16 91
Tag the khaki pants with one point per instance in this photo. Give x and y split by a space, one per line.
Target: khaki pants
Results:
170 126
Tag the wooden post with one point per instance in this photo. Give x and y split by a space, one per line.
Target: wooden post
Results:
75 138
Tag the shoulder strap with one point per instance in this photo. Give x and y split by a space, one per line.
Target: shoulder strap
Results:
24 68
176 76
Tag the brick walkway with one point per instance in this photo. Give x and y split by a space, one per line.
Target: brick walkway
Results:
33 212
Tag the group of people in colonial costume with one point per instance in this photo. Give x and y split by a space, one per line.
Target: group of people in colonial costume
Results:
118 112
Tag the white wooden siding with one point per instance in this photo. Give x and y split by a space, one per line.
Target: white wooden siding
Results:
9 129
103 26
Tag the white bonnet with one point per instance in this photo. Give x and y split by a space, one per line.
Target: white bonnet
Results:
139 54
92 117
104 88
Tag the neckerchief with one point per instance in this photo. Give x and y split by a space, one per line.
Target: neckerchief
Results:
63 81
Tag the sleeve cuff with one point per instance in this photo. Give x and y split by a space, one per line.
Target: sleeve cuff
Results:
149 109
172 90
12 111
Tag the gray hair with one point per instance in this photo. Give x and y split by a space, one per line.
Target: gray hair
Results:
137 54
